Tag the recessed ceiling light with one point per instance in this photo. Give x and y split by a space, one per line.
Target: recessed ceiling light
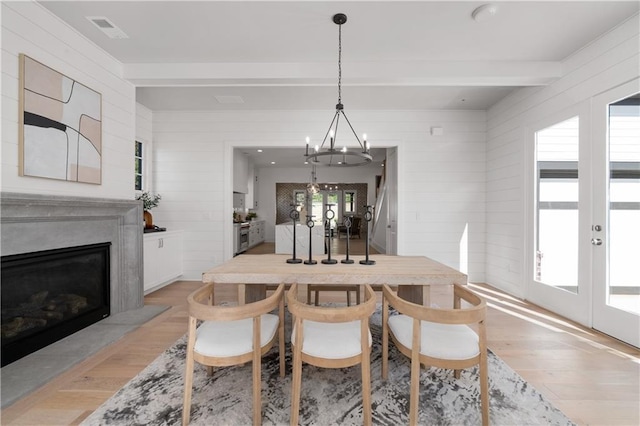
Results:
259 150
484 12
306 162
273 162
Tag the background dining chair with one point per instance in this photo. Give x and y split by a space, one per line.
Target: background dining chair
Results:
232 335
355 228
331 337
437 337
317 288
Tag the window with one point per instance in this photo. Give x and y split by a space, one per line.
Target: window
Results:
138 167
350 201
300 198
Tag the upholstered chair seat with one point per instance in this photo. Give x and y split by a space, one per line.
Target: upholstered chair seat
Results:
236 335
447 341
320 339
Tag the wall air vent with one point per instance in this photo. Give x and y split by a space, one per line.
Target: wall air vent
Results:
107 27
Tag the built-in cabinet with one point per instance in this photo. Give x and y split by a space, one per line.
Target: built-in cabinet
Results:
162 259
256 232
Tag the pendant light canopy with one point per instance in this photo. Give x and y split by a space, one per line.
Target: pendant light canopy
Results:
334 155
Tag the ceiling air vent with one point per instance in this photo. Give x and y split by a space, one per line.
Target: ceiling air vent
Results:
107 27
229 99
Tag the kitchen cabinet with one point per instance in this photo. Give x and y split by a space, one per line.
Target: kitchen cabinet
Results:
162 259
240 172
256 232
250 198
255 190
238 200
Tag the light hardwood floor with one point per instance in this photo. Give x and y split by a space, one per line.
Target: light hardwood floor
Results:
591 377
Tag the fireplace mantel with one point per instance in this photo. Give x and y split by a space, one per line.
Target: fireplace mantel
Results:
35 222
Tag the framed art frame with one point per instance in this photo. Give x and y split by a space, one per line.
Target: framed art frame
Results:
60 126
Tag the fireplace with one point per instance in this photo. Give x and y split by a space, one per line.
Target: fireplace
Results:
39 222
48 295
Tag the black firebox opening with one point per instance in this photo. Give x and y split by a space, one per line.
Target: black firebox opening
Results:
48 295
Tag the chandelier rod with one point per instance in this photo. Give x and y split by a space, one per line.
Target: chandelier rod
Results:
364 148
339 67
335 116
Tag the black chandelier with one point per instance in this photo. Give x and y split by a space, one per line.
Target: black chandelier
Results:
332 156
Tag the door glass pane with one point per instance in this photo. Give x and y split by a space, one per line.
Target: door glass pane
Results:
317 208
623 287
334 199
556 206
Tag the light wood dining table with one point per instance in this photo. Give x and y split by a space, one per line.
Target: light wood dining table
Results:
253 273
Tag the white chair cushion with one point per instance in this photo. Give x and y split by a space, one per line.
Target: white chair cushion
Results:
233 338
337 340
444 341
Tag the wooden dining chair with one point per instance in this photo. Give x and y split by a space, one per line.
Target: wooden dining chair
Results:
232 335
437 337
331 337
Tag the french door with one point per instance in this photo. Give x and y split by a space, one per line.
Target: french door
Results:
583 242
616 213
319 203
558 210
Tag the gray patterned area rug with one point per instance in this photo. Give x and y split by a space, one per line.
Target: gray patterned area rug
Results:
329 396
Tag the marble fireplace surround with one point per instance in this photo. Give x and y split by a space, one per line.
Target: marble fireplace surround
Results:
35 222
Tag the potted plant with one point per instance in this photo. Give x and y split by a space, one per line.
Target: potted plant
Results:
252 216
148 202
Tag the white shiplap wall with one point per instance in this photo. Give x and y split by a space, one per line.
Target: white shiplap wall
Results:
441 179
31 29
605 63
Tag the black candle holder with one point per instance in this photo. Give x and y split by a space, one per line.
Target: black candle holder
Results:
347 224
328 216
294 215
368 216
310 225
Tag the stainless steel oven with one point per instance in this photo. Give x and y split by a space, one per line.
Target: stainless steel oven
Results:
243 237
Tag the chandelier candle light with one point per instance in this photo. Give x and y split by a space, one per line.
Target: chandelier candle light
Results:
332 156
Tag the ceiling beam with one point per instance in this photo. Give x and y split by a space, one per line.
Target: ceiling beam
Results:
398 73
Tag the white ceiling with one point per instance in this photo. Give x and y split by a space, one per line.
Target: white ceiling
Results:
411 55
283 55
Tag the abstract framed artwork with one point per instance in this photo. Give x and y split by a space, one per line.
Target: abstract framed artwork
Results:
60 129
